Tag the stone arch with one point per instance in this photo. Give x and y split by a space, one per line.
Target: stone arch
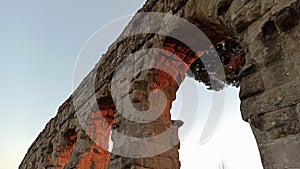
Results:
268 32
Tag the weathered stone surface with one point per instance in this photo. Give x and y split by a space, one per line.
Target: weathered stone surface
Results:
287 149
251 85
268 31
277 124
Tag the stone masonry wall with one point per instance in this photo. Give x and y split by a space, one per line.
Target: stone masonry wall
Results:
269 33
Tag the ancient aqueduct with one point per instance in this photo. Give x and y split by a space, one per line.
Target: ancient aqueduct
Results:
268 31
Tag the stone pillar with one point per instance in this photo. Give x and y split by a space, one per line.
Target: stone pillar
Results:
150 151
151 89
270 87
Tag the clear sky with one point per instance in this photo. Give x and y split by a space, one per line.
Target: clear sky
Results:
39 45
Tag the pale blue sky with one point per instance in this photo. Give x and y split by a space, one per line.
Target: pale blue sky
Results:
39 45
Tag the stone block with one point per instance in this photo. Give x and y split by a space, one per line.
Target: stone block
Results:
271 100
277 124
251 85
281 153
